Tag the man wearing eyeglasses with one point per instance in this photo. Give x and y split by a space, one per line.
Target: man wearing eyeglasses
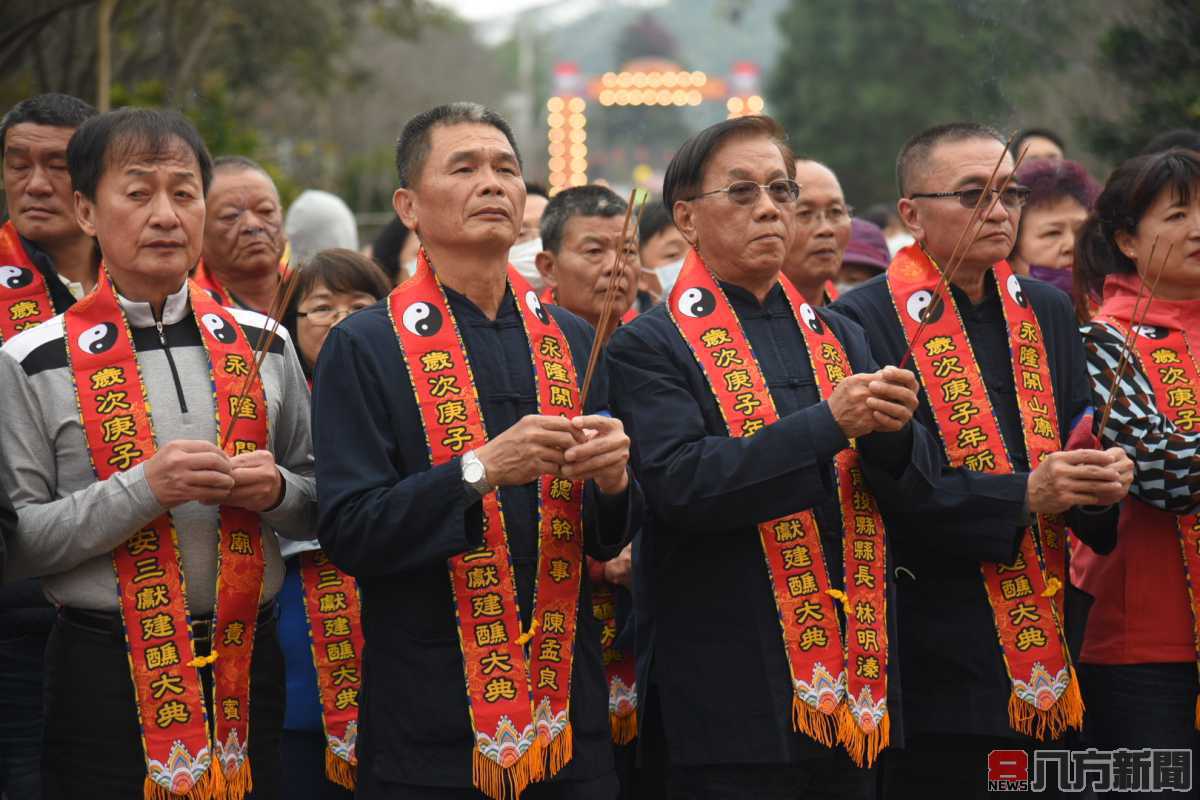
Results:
985 606
822 231
742 402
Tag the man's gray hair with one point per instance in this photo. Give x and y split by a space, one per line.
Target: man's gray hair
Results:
412 148
578 201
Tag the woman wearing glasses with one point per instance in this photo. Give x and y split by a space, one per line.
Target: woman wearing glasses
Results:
318 740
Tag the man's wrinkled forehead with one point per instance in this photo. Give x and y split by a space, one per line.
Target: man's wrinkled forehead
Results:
134 155
747 156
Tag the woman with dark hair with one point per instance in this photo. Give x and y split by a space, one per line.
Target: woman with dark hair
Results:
1061 194
1138 665
333 284
320 723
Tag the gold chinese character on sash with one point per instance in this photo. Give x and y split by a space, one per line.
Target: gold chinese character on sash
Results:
436 361
23 309
235 364
714 337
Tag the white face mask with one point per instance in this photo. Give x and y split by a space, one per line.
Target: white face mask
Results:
668 274
523 256
409 267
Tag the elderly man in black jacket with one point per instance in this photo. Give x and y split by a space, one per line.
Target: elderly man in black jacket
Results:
742 402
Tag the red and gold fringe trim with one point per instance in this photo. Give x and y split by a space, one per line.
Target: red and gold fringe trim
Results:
561 749
863 747
813 723
340 771
1198 712
624 729
1067 712
240 783
211 786
507 783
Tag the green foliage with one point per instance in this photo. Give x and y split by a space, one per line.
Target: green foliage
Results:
1154 60
856 78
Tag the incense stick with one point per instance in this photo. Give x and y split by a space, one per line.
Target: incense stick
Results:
1135 322
279 303
609 298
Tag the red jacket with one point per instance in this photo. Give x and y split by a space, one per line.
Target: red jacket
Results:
1143 611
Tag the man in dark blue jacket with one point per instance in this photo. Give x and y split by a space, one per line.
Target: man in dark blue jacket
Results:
956 677
727 678
397 524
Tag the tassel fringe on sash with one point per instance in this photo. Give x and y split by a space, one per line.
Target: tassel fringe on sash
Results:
814 723
211 786
1067 712
507 783
624 728
340 771
863 747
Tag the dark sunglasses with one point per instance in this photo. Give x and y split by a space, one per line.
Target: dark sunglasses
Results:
743 193
1013 197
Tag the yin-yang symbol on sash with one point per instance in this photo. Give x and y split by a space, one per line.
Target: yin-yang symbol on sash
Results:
15 277
535 305
809 315
422 319
1014 291
923 307
696 302
221 330
1151 332
98 338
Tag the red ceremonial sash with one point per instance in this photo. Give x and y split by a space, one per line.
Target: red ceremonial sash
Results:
206 280
333 611
24 298
839 691
114 409
518 684
1169 364
620 666
1025 596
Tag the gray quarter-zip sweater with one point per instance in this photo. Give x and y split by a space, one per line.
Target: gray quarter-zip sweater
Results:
70 522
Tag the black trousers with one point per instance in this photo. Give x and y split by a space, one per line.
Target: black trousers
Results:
22 665
834 777
303 759
93 746
372 788
956 766
1139 706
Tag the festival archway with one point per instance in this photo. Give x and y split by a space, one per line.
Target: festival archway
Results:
650 82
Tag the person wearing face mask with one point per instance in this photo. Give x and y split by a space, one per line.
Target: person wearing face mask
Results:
661 249
1060 195
241 264
822 231
985 605
159 545
1139 659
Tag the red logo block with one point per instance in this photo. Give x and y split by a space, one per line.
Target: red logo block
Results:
1008 765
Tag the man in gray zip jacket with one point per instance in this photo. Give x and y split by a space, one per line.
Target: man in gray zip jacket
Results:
140 178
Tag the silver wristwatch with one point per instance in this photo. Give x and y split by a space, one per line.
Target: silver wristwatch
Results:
474 474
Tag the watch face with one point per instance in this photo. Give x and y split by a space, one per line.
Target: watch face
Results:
473 472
